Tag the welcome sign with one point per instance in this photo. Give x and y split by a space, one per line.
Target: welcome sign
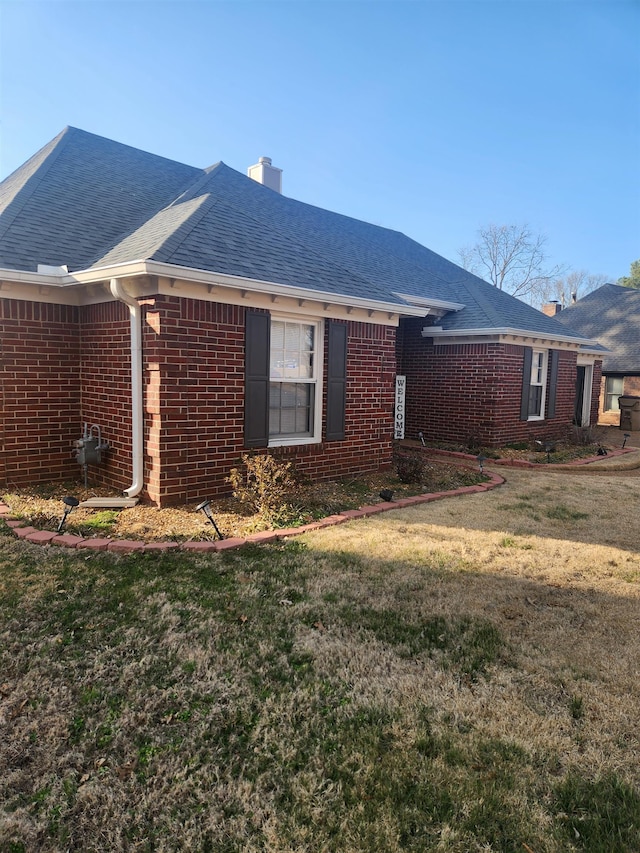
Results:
401 388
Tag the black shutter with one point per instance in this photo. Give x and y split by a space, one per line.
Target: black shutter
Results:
554 357
336 381
256 379
526 382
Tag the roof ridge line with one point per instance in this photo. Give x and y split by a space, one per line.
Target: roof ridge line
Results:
33 182
125 235
194 186
193 219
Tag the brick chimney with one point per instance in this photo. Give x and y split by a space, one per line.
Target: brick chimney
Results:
552 308
264 173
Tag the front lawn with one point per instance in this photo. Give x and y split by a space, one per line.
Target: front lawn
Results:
458 677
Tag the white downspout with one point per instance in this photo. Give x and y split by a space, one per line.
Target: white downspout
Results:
137 417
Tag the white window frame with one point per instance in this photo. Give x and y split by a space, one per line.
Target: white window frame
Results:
315 437
538 379
613 394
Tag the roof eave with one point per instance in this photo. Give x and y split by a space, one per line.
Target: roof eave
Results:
428 302
139 268
439 332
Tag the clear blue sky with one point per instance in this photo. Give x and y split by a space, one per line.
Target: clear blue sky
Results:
432 118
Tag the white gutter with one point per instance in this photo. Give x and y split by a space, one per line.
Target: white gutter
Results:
137 417
134 269
271 288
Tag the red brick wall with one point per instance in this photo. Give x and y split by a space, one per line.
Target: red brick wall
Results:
105 372
194 358
194 363
470 393
631 386
63 367
39 391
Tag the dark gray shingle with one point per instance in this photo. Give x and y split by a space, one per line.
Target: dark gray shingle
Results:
87 201
611 315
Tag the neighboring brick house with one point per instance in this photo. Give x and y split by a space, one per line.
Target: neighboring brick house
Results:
611 314
189 315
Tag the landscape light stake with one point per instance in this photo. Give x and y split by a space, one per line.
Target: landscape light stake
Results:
481 459
70 503
626 436
421 437
205 507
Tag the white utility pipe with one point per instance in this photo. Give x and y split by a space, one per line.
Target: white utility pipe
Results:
137 416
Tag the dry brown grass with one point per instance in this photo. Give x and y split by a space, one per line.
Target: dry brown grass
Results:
553 560
450 677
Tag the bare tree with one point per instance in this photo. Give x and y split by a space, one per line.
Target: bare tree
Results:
513 258
571 287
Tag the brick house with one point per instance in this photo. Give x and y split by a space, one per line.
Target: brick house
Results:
187 315
611 314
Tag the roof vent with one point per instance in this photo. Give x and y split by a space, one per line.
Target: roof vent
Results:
264 173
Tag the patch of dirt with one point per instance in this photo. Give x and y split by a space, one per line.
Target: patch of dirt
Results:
42 507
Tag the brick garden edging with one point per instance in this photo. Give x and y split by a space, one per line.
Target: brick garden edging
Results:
47 537
540 466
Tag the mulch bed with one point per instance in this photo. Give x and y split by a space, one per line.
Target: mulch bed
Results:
41 506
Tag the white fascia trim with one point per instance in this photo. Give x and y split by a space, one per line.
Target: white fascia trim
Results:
45 279
439 332
596 353
273 288
585 359
136 269
424 302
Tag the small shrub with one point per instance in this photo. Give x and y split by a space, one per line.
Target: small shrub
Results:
409 468
473 442
585 436
265 486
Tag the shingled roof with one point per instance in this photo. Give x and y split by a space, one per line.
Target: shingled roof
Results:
79 196
610 314
88 202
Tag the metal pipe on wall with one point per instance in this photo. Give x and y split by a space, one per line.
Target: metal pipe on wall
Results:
137 393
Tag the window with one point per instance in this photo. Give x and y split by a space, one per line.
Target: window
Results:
294 360
284 380
537 384
612 390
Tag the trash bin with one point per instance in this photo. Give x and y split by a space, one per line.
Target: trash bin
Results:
629 413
